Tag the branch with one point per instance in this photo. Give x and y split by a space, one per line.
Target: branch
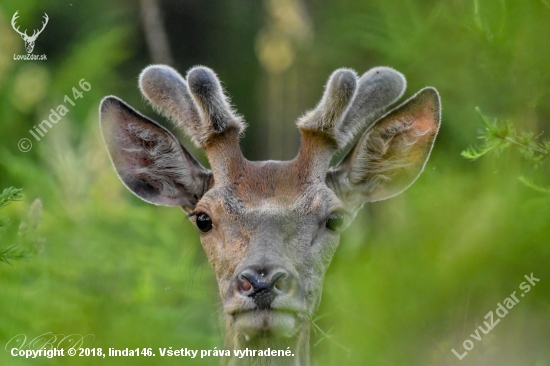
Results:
12 252
498 136
10 195
155 34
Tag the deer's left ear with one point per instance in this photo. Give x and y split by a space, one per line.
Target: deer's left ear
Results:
391 154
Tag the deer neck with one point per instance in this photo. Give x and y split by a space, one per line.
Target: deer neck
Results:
297 345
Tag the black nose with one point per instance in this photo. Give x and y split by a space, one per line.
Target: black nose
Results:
263 285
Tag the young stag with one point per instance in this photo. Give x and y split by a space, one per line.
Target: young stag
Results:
270 228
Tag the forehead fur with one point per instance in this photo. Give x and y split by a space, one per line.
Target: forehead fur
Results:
270 185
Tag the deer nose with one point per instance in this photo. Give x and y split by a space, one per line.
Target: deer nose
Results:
264 285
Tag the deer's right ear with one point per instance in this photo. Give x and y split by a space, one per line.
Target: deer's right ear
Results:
149 159
391 154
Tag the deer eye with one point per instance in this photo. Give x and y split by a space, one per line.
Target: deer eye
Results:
203 222
335 221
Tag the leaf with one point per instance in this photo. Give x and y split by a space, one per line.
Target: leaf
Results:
529 183
488 124
10 195
12 252
499 136
473 154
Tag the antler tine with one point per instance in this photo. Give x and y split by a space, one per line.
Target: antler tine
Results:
221 125
376 89
13 19
217 114
200 107
339 92
169 95
347 104
319 127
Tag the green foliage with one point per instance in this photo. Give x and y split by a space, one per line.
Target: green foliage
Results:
497 136
10 195
27 238
11 252
529 183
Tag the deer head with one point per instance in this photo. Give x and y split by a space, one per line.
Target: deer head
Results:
270 228
29 41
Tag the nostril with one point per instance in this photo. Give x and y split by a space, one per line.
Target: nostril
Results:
281 286
244 284
280 282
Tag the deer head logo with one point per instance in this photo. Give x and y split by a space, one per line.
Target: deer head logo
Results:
29 41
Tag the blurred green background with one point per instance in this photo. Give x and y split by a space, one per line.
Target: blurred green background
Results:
413 277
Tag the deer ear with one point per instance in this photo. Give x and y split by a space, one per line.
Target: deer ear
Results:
391 154
149 159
